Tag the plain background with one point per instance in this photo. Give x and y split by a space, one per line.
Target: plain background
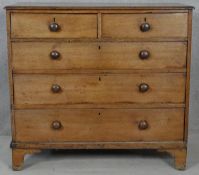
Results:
4 90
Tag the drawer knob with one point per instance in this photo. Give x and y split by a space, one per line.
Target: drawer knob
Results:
145 27
54 55
144 54
143 87
56 125
56 88
54 27
143 124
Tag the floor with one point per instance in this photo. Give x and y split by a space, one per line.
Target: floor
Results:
131 162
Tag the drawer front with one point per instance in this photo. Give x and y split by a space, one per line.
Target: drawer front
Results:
99 89
153 25
102 55
67 25
99 125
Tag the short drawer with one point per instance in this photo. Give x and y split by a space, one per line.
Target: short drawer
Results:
144 25
26 25
98 55
99 88
99 125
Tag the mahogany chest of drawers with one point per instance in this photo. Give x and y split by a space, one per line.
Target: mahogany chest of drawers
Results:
100 77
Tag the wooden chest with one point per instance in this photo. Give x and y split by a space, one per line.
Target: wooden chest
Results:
99 77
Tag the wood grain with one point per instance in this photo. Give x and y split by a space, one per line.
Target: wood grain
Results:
99 125
99 88
24 25
128 25
98 55
179 155
101 145
18 156
96 6
10 68
189 48
104 106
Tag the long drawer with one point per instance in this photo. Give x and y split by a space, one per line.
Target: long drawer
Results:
99 125
98 55
99 88
26 25
144 25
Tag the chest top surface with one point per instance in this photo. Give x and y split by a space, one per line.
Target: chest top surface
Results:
137 6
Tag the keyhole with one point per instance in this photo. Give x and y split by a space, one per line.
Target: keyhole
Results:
99 113
53 19
99 47
145 19
99 78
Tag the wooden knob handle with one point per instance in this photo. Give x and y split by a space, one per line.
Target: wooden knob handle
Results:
54 27
144 54
145 27
143 87
56 88
54 55
143 124
56 125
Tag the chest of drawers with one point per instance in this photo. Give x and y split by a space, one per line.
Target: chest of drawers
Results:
100 77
